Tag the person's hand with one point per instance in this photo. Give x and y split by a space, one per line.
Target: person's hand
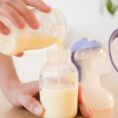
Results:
18 13
84 110
25 95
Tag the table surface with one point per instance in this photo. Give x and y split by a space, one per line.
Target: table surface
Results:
8 111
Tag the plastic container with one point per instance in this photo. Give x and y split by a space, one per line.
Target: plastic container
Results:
59 86
87 56
52 28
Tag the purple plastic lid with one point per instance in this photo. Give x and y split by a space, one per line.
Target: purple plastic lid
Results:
84 44
113 36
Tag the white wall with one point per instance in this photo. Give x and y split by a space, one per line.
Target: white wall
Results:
84 20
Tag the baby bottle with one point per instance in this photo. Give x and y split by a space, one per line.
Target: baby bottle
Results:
52 29
86 56
59 86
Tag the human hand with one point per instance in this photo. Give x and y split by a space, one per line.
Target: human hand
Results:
87 113
18 13
24 95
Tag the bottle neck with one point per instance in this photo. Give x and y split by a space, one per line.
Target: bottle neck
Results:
59 57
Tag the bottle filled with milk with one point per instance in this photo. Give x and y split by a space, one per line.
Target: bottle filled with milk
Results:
52 28
58 85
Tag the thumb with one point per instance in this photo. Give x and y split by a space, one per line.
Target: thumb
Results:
20 54
81 98
32 105
82 106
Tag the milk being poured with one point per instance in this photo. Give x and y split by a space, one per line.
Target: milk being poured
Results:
52 28
59 86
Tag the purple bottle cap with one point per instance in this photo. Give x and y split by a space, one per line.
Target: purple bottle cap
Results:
113 36
84 44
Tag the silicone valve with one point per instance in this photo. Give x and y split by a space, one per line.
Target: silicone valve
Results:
113 36
80 45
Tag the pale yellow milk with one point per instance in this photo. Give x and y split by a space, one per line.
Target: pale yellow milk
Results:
26 43
59 103
59 46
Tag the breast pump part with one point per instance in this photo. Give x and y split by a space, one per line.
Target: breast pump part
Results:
86 55
113 36
53 27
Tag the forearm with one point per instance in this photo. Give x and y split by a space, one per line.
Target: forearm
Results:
8 74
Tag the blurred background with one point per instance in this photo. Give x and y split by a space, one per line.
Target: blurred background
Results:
85 18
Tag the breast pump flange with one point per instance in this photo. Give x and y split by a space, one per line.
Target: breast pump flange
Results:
85 56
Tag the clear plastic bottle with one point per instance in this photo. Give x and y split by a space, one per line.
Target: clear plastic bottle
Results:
52 28
59 86
89 55
97 98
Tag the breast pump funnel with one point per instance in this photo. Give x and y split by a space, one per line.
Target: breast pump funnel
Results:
85 56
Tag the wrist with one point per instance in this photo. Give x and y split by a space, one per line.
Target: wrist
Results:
10 85
11 91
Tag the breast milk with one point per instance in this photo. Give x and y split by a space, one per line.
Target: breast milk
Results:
53 27
59 103
59 85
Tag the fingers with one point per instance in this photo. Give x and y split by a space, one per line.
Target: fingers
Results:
12 15
82 106
84 110
3 29
20 54
32 87
19 14
32 105
39 4
81 99
27 14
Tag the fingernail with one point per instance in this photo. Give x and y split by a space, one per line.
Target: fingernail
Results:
19 55
88 115
45 7
38 110
5 31
35 24
21 25
48 7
